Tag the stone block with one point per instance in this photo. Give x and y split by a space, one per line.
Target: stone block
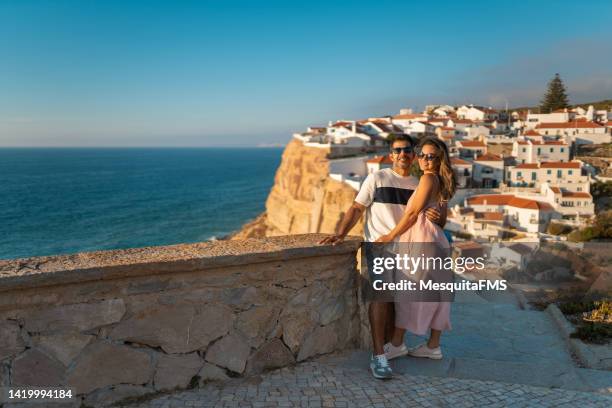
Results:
35 368
176 328
273 354
211 372
231 352
11 342
111 395
256 323
176 371
103 364
64 347
322 340
75 317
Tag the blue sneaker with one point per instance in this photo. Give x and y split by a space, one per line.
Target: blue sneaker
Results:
380 367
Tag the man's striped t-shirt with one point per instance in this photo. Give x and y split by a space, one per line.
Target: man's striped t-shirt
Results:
385 194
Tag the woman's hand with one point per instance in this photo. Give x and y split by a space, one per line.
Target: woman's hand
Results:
385 238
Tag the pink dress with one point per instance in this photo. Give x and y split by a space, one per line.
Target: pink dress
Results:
427 238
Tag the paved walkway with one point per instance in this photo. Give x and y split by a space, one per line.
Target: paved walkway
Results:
496 355
324 384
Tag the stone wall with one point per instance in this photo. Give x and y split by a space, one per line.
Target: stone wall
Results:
125 323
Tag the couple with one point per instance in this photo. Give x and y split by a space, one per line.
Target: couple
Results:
402 208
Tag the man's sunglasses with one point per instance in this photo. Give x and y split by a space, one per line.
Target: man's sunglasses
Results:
427 157
398 150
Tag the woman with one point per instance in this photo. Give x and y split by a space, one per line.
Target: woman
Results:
421 236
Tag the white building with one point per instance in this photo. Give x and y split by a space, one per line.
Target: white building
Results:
378 163
477 113
523 214
463 171
578 131
470 148
560 116
566 175
404 120
488 171
533 151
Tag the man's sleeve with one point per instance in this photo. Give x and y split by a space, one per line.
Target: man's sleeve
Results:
366 192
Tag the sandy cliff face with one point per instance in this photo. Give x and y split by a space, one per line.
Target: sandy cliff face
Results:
303 199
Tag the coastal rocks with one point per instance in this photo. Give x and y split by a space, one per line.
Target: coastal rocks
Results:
230 352
303 198
176 328
35 368
11 342
176 371
75 317
103 364
273 354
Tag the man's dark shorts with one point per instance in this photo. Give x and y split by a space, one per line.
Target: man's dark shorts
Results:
369 251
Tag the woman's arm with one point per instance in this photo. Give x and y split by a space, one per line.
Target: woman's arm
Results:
427 186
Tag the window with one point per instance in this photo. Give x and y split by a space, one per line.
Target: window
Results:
569 172
559 173
552 149
562 150
548 171
539 151
524 149
519 174
533 176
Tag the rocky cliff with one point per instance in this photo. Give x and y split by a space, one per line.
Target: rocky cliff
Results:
303 199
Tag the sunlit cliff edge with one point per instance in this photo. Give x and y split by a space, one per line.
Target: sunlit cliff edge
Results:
303 198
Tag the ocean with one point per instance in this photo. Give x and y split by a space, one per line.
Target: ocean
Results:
68 200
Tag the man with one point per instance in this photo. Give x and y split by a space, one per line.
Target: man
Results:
383 197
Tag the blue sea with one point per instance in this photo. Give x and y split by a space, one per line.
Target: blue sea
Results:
61 201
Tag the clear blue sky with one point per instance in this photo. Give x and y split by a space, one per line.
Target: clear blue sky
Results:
201 73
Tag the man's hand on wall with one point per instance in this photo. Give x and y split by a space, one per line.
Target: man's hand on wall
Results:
334 240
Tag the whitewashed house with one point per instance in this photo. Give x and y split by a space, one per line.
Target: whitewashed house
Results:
488 171
470 148
463 171
523 214
533 151
578 131
560 116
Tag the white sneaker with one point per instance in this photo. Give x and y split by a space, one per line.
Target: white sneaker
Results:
392 351
424 351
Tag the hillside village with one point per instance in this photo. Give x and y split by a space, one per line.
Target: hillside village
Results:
517 171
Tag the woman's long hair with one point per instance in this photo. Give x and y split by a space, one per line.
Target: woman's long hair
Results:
446 175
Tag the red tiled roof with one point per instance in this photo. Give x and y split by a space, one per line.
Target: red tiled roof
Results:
556 190
560 165
569 125
531 132
519 202
528 166
459 162
381 160
489 216
489 157
467 245
506 199
410 116
491 199
472 143
572 194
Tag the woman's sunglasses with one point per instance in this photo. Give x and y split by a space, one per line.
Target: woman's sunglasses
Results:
427 157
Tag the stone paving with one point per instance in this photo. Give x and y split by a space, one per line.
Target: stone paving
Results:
323 384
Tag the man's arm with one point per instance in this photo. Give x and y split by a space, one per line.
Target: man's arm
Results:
348 222
437 216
